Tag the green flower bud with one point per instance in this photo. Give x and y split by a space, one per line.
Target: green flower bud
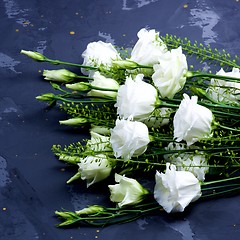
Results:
47 97
34 55
125 64
61 75
66 223
65 215
80 86
74 121
198 91
100 130
90 210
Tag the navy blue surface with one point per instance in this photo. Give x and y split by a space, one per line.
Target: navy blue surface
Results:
32 181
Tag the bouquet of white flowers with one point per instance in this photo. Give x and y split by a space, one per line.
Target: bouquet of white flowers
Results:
149 112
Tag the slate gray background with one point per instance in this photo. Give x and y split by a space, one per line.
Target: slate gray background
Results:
32 181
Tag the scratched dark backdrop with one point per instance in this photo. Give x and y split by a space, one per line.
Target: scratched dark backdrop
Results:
32 181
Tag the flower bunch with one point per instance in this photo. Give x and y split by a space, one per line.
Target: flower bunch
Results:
149 114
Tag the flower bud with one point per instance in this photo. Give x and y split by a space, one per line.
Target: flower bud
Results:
65 215
47 97
100 130
101 83
61 75
80 86
34 55
125 64
74 121
90 210
94 168
127 191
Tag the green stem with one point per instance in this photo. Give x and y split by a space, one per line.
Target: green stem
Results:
57 62
219 193
218 187
83 101
190 75
202 52
220 181
225 127
103 89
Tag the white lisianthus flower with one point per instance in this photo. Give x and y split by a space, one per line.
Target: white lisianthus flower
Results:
97 54
129 138
100 81
174 190
192 121
98 142
94 168
169 73
136 98
148 48
127 192
225 91
196 163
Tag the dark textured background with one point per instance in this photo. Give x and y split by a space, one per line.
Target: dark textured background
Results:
32 181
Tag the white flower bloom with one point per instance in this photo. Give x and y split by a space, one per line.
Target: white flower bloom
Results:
225 91
191 162
99 143
136 98
174 190
94 168
100 81
127 192
99 53
148 48
169 74
129 138
192 121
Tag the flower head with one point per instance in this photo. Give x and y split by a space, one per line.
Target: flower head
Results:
79 86
169 73
34 55
90 210
127 192
174 190
148 48
47 97
192 121
129 138
77 121
136 98
98 142
225 91
98 54
195 163
99 81
94 168
60 75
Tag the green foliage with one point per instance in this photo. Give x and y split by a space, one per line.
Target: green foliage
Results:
201 52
